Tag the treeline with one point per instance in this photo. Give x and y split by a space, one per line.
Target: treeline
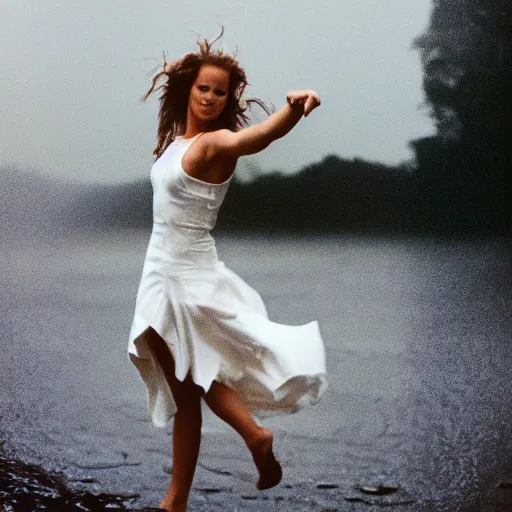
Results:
334 195
331 196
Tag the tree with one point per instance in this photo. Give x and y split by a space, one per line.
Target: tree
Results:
466 58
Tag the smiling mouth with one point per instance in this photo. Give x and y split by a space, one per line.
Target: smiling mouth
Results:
208 110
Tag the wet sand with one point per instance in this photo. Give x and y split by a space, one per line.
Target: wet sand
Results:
419 346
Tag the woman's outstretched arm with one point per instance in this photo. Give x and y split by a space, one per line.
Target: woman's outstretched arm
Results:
257 137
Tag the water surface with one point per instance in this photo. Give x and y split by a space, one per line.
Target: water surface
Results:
419 355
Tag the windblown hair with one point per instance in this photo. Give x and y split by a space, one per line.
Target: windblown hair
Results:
176 80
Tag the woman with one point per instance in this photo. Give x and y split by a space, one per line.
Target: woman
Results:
199 331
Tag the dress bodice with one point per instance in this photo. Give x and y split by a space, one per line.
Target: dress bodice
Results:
185 208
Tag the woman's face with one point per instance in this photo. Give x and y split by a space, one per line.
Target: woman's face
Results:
209 93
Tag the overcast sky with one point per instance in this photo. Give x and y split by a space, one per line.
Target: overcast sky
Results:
73 73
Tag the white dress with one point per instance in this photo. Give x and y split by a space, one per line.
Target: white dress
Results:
215 325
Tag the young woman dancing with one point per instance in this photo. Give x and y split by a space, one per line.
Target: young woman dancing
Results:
199 331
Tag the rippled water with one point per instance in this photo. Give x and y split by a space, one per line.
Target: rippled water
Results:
419 346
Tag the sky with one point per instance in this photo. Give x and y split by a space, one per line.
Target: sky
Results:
74 72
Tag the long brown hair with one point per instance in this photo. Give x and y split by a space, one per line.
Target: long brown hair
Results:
176 79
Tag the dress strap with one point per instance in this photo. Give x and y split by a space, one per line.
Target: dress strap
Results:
190 139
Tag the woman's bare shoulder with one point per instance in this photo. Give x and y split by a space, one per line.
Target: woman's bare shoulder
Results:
207 149
213 143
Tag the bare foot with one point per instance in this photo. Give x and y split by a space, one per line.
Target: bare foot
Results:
268 466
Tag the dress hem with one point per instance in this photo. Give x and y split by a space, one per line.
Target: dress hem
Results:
161 405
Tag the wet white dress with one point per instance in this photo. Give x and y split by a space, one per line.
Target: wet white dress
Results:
215 325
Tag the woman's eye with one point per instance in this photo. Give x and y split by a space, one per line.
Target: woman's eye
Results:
220 93
203 88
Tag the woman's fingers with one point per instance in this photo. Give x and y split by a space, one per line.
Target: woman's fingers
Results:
309 105
312 102
297 96
306 97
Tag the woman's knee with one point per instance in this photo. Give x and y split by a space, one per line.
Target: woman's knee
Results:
190 411
187 395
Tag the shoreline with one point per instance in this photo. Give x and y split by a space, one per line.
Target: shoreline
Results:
27 486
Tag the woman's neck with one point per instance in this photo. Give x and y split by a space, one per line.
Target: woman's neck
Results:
195 126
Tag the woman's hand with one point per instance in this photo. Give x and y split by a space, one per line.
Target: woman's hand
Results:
306 97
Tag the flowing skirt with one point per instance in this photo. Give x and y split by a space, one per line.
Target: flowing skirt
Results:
216 327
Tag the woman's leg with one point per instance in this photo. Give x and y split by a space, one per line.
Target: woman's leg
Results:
228 405
186 435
